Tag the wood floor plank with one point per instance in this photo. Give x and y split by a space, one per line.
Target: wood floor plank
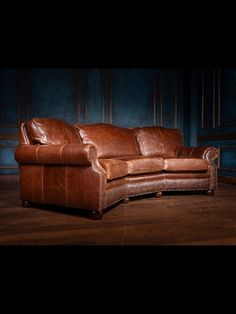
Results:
173 219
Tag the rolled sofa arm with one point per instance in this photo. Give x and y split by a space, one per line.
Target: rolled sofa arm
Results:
67 154
208 153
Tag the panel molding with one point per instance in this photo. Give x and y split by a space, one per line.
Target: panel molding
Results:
7 146
102 87
225 148
227 169
215 95
227 179
28 94
77 93
220 124
218 98
110 94
154 96
161 97
9 136
202 98
175 97
215 137
17 86
8 167
213 98
9 178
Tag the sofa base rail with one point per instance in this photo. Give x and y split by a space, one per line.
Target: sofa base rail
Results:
92 214
98 214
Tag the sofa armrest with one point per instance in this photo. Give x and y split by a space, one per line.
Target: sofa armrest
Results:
208 153
68 154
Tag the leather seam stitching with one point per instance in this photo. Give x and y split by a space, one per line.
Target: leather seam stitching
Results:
190 155
61 153
37 153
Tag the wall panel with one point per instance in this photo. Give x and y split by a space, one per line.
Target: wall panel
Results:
9 120
132 97
227 116
53 93
218 116
169 112
124 97
95 105
9 111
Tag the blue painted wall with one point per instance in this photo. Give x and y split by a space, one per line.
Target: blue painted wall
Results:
124 97
9 119
202 102
217 114
52 93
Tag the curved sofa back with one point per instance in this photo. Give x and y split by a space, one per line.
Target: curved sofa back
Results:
157 141
48 131
111 141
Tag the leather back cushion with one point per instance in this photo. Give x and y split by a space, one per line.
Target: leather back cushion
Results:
111 141
52 131
159 141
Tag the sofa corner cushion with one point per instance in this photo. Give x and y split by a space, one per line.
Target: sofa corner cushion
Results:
185 164
158 141
111 141
52 131
114 168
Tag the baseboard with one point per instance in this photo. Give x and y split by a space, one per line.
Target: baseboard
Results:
227 179
9 178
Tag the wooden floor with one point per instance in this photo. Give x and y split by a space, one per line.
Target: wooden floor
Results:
174 219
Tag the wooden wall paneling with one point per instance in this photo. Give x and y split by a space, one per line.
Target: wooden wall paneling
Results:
110 77
168 105
154 97
179 100
125 97
195 103
9 119
107 85
159 98
95 97
227 98
9 104
228 158
208 99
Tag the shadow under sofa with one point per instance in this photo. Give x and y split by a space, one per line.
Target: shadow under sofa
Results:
94 166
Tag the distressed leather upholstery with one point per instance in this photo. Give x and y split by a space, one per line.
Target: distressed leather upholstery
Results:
94 166
52 131
110 141
185 164
114 168
159 141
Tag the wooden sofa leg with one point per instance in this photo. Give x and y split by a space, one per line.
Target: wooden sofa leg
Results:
26 203
95 215
210 192
126 200
158 194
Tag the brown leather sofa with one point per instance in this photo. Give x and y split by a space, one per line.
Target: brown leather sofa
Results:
94 166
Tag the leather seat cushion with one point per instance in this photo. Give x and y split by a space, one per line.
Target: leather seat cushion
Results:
185 164
110 141
114 168
144 165
52 131
118 168
159 141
